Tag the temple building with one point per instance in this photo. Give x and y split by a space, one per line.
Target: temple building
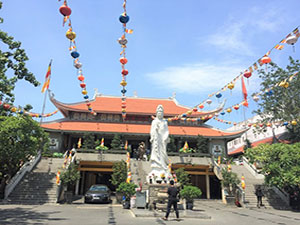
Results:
65 133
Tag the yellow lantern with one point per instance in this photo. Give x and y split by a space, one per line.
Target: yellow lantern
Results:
229 110
230 86
13 109
84 92
294 122
71 35
189 112
284 84
123 83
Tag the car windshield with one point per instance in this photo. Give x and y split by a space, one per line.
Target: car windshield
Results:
98 188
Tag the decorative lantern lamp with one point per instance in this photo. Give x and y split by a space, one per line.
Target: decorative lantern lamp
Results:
249 125
208 101
124 18
13 109
230 86
122 41
71 35
77 65
222 113
80 77
219 95
201 106
65 10
124 72
75 54
255 98
265 60
236 107
84 92
6 106
86 97
291 40
123 83
247 74
123 91
82 85
294 122
284 84
269 92
229 110
269 124
123 60
195 110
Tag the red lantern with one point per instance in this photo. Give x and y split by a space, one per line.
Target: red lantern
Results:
249 125
261 124
201 106
6 106
65 10
236 107
80 77
123 60
82 85
124 72
195 109
88 104
247 74
265 60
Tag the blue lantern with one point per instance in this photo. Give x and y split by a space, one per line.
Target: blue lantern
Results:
222 113
285 123
86 97
21 112
75 54
123 91
184 115
124 18
269 92
218 95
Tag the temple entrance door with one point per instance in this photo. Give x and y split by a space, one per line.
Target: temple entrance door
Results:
215 188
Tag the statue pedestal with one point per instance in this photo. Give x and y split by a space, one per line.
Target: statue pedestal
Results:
156 178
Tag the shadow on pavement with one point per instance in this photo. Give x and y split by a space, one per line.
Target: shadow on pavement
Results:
25 216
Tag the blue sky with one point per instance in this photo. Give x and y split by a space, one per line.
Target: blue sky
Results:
191 47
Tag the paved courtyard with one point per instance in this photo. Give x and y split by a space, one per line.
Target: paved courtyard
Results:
112 214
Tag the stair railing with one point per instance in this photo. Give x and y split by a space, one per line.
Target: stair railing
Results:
27 167
241 196
252 169
282 194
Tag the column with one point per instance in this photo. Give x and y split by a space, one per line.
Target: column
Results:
207 185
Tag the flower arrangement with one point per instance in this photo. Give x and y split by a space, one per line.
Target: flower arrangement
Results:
163 176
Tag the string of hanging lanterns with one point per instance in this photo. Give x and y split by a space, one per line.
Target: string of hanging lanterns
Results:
124 19
18 110
290 39
66 11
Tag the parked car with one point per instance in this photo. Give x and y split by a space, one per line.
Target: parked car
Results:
97 193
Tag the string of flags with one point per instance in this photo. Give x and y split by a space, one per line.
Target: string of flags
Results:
66 11
290 39
124 19
21 111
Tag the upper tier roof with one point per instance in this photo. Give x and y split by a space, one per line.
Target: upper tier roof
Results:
135 105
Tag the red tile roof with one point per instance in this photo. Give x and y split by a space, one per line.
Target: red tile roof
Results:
254 144
135 105
135 129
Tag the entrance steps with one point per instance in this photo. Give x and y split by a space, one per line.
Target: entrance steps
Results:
139 171
270 199
38 186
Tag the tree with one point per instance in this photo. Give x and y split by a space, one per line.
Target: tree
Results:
247 144
230 180
70 176
116 142
281 164
202 144
12 58
119 174
20 139
182 177
171 147
88 141
282 103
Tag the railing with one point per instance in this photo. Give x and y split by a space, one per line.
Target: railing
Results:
252 169
217 169
189 154
27 167
282 194
241 196
110 151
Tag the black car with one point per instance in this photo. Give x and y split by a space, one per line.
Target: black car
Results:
97 193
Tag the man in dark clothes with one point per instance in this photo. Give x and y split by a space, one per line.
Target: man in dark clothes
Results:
172 200
259 194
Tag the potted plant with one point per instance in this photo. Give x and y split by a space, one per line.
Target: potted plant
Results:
68 178
128 190
189 193
230 182
118 176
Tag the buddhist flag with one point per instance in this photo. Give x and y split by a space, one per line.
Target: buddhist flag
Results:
129 31
185 147
255 66
126 145
279 47
102 142
47 78
245 94
79 143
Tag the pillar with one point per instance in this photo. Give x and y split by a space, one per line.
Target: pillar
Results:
82 183
207 185
77 188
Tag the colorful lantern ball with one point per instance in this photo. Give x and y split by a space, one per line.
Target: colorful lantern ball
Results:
124 18
65 10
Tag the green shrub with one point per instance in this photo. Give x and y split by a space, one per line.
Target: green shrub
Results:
127 189
190 192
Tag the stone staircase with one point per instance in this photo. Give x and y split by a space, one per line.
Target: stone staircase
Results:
38 186
139 170
270 199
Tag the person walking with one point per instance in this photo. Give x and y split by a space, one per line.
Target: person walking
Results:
259 194
172 200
